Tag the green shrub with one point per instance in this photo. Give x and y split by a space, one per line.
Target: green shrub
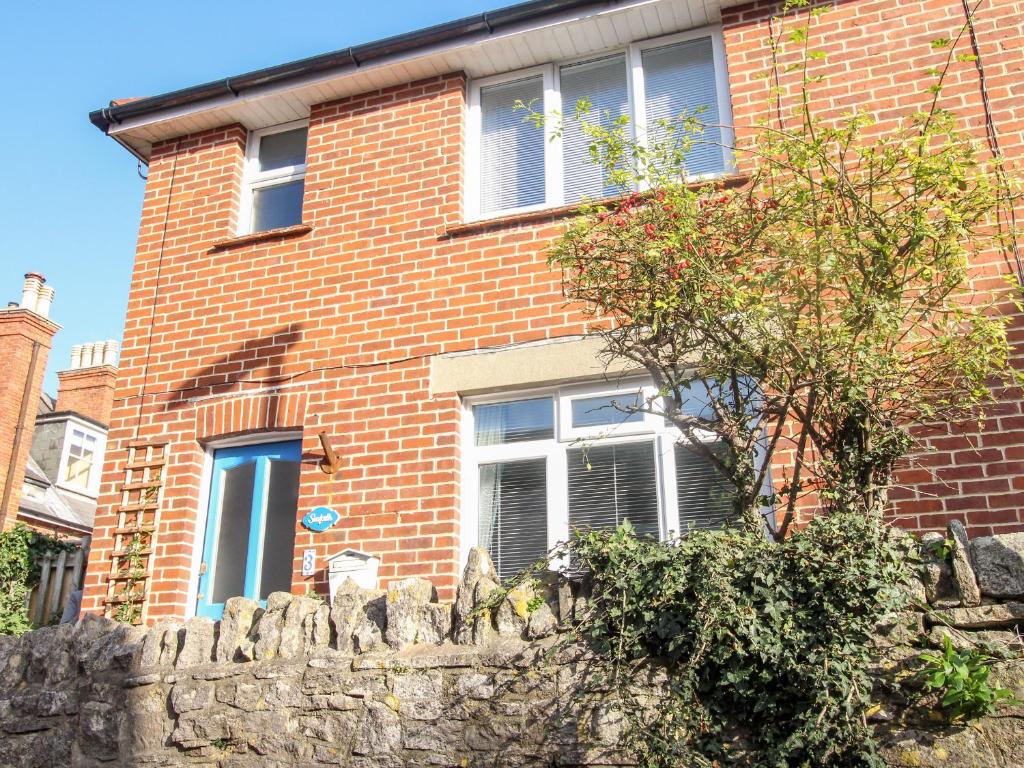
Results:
764 647
21 551
15 572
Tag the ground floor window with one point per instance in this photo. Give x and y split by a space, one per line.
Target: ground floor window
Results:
250 528
544 462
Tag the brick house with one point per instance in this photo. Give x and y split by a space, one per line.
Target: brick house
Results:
341 313
51 449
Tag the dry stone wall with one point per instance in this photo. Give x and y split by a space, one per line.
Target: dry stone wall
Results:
379 678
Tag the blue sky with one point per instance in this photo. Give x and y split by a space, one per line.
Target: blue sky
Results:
69 204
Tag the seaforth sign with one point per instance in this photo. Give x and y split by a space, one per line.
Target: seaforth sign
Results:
320 519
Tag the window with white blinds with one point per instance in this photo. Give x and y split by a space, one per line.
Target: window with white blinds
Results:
513 518
679 80
511 148
581 457
609 484
514 165
602 85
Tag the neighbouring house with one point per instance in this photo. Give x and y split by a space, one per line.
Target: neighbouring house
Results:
343 337
51 449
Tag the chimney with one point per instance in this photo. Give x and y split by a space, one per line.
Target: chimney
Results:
87 386
26 333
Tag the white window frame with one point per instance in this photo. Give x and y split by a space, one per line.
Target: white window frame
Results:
95 471
253 178
553 177
555 451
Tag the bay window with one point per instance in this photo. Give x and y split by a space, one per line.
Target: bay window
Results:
514 166
543 463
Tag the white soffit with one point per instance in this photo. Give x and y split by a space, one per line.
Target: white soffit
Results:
566 36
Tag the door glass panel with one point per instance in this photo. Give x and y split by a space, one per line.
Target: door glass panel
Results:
233 537
279 536
513 513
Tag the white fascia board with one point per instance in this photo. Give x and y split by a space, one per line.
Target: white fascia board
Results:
123 131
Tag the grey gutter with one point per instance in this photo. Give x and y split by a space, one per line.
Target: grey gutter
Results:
348 58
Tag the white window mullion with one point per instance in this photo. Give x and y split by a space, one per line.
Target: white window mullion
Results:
637 101
553 184
669 496
472 156
558 500
724 101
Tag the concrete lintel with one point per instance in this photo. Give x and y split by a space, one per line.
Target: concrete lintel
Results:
534 364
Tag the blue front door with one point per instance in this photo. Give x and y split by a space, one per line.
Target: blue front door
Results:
250 527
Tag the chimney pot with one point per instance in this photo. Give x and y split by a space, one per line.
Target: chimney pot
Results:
45 301
76 356
30 291
86 356
110 352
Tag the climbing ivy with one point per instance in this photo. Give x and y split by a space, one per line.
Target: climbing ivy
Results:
21 551
761 650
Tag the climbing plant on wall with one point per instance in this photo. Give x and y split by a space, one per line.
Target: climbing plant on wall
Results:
21 551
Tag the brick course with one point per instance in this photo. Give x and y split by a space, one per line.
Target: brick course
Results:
331 326
88 391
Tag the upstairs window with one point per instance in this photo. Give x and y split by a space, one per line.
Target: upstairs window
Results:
80 460
513 166
275 172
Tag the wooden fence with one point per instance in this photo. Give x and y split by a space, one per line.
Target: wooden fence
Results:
59 576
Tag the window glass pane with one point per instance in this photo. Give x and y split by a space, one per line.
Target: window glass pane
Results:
233 537
511 147
514 422
277 206
281 150
612 483
513 513
81 453
279 536
704 492
681 78
606 410
603 84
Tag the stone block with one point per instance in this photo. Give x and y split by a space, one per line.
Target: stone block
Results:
986 616
999 564
240 613
406 606
381 732
963 572
198 643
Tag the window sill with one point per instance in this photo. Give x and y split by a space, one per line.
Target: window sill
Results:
564 211
283 233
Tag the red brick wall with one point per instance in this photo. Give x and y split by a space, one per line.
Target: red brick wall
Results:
20 331
88 391
339 322
877 56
